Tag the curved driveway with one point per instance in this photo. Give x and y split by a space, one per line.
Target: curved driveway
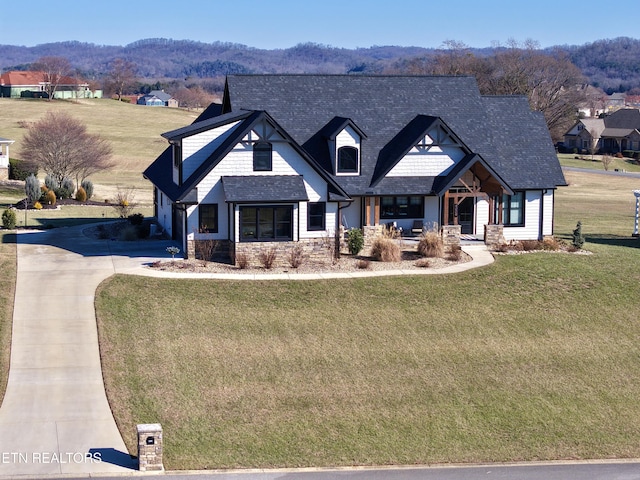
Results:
55 418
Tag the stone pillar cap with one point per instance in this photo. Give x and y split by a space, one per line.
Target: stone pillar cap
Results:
148 427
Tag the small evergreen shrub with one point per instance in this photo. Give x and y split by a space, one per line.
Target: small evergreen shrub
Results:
9 219
81 195
385 250
32 189
20 170
65 190
88 188
51 183
136 219
355 241
430 244
578 237
50 197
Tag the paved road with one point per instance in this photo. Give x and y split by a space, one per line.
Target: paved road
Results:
55 410
602 172
533 471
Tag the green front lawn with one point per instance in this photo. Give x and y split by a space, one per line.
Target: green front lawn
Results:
534 357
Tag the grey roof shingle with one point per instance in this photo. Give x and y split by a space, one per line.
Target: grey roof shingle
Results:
264 188
513 142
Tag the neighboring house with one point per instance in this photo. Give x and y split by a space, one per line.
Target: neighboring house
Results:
612 133
4 158
293 159
158 98
16 84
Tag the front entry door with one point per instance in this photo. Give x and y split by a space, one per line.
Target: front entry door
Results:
461 213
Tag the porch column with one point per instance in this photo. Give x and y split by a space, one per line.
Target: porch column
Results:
367 211
445 208
376 211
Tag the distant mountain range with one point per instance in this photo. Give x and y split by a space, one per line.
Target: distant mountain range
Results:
613 64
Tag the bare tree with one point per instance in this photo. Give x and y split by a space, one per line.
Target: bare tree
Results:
53 69
121 77
62 147
193 97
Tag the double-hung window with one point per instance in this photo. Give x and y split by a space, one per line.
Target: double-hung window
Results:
512 209
208 217
262 156
316 216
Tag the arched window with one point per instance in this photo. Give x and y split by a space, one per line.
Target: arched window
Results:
347 160
262 157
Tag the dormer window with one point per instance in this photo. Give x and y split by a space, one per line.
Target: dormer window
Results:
347 160
262 155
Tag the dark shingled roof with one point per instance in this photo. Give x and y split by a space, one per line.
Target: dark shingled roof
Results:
511 139
264 188
626 118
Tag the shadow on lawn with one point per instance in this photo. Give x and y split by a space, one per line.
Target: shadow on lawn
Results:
614 240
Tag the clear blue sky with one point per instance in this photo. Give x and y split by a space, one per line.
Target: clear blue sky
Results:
339 23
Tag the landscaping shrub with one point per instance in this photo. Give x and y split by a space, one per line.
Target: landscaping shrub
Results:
530 245
385 250
551 243
143 230
51 183
9 219
50 197
242 260
363 264
268 258
88 188
430 244
37 205
296 256
455 253
578 238
81 195
65 190
355 241
423 263
136 219
20 170
205 249
32 189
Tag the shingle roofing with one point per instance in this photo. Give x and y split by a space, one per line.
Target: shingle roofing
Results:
509 137
264 188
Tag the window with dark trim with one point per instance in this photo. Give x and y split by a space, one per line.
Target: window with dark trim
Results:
347 160
512 209
401 207
268 223
316 215
208 218
262 155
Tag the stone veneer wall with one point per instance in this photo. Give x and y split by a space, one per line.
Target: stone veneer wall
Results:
4 173
451 235
315 250
370 233
493 235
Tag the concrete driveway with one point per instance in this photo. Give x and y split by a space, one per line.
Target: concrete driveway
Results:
55 418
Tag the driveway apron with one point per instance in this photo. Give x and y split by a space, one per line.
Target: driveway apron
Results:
55 418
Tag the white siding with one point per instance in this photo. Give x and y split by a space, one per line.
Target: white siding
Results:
164 212
530 230
239 161
547 221
421 163
197 148
482 215
351 214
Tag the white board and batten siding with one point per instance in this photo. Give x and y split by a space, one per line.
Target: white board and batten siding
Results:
239 162
164 212
531 228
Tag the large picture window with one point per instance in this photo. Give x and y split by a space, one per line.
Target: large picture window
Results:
264 224
512 209
347 160
401 207
262 155
208 218
315 215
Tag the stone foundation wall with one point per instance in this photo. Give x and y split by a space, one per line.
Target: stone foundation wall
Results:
4 173
320 250
370 233
493 235
451 235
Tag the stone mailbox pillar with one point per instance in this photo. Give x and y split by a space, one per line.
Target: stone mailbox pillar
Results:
150 447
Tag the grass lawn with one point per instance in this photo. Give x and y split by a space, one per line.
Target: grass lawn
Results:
595 163
133 131
534 357
7 291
